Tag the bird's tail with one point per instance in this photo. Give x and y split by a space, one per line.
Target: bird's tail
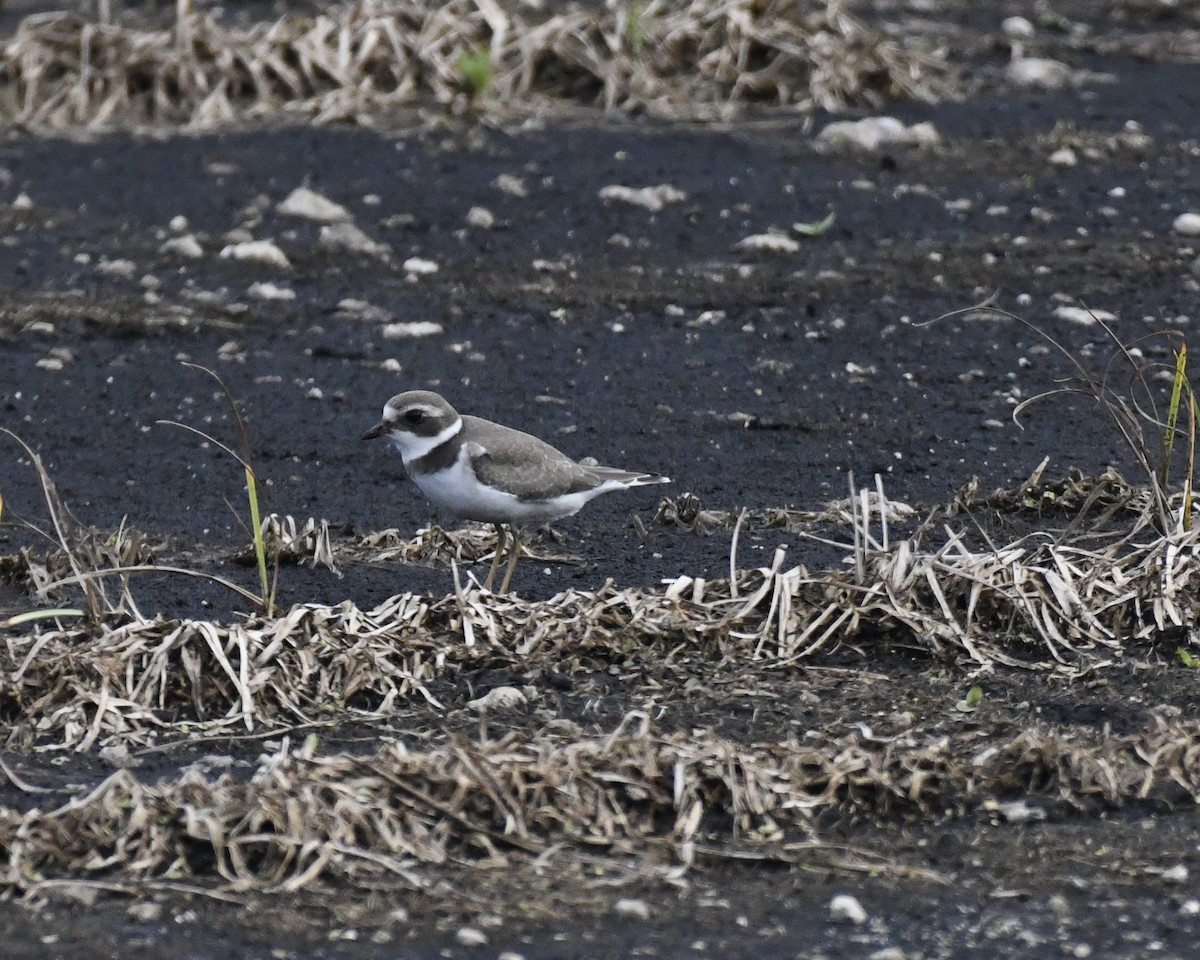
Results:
627 478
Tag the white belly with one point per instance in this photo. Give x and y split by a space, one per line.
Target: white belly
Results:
457 491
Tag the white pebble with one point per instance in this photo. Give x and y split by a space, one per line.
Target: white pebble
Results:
1085 317
513 186
872 133
470 937
1038 72
311 205
649 198
258 251
767 243
23 202
412 330
315 393
185 246
116 268
147 911
846 909
419 266
270 291
346 236
1017 28
1187 224
1064 157
637 909
481 218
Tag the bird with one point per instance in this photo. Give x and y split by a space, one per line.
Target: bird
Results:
479 470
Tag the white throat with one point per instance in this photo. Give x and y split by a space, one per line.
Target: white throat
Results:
411 447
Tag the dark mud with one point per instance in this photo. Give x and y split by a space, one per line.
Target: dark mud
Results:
755 381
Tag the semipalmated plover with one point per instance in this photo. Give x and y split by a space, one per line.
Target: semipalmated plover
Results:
479 470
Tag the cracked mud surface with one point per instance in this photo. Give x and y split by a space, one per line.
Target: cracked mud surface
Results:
755 381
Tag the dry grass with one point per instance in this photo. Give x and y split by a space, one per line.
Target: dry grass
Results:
1040 601
382 820
358 58
549 791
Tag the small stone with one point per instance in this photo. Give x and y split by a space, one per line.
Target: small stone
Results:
1064 157
1175 874
1040 72
649 198
481 218
23 202
118 755
418 266
146 911
257 251
1017 27
846 909
1190 907
767 243
1188 224
315 393
1082 316
270 291
83 893
412 330
178 224
513 186
634 909
311 205
470 937
874 133
346 236
116 268
185 246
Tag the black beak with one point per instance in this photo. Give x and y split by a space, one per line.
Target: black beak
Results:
376 431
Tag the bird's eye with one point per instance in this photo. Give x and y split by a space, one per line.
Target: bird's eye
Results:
414 416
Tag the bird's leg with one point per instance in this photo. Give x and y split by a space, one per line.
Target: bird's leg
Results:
500 538
514 553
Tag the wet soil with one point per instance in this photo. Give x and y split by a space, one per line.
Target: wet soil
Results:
645 340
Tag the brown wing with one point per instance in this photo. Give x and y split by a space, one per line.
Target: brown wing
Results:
501 457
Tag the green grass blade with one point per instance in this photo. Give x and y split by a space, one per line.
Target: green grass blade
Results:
1164 471
260 548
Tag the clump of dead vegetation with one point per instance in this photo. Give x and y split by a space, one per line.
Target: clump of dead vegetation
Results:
650 801
357 58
